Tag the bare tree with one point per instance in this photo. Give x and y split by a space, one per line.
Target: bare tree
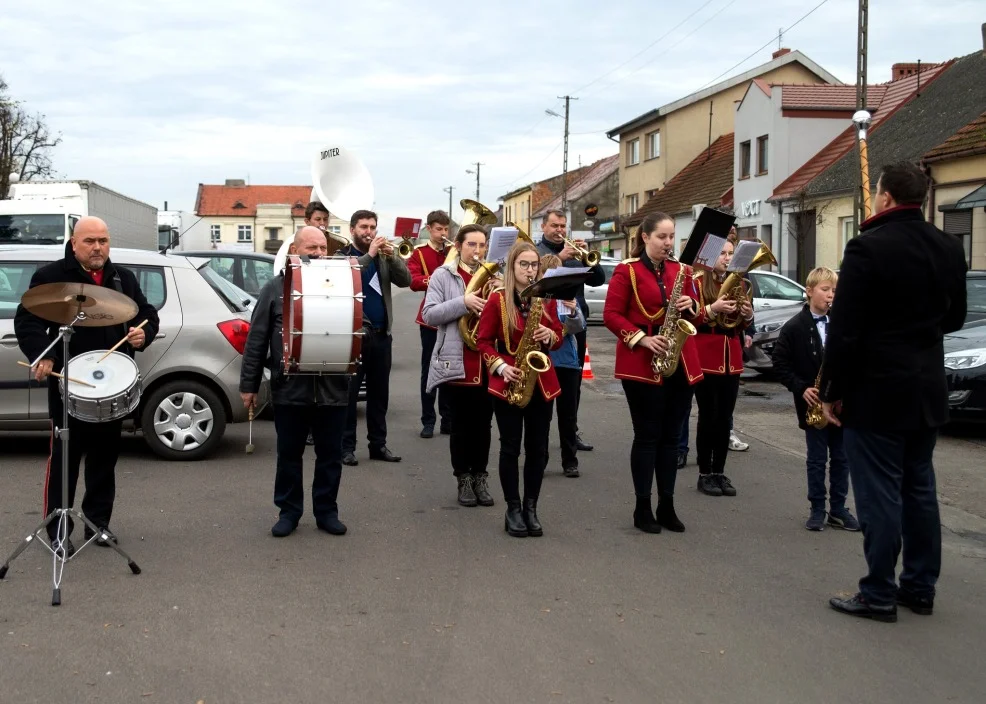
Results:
25 143
803 220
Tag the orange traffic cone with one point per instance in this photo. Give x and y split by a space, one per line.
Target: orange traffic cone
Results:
587 367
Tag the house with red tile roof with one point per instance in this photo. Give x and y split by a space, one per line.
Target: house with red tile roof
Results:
255 218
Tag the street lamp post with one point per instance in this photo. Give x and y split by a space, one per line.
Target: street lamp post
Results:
470 171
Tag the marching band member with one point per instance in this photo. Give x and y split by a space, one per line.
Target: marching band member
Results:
639 294
502 328
458 370
425 260
721 355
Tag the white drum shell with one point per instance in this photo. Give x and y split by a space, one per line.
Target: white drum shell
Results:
117 387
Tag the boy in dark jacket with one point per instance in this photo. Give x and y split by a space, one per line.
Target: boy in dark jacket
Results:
797 358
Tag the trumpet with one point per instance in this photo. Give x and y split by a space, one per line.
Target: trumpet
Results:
405 249
586 256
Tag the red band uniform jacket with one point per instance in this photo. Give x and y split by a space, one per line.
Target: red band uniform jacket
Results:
490 341
719 349
634 309
424 260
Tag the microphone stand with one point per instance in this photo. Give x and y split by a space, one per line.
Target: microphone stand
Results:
58 547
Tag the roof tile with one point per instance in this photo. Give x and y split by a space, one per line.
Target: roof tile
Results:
594 175
968 141
827 97
243 200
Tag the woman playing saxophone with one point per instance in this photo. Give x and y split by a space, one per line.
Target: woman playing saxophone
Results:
458 370
509 327
635 309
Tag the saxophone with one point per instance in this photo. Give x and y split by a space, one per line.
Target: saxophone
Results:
674 329
529 359
814 417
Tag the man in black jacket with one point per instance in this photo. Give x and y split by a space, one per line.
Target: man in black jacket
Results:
86 261
302 403
883 379
553 227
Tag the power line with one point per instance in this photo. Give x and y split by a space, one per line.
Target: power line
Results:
731 68
535 168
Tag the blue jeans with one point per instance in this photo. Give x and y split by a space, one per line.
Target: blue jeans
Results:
826 446
893 479
292 424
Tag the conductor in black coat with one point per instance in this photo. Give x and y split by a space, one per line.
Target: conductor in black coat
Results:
87 261
883 379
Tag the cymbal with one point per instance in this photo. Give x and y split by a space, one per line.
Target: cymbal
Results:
60 303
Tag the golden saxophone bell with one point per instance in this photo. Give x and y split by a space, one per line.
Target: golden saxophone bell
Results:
538 361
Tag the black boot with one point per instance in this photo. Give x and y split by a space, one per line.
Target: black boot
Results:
481 489
531 518
666 515
513 522
643 518
467 497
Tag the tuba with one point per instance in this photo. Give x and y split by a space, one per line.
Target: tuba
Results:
343 185
483 283
736 288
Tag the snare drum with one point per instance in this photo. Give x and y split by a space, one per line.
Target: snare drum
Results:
323 315
115 390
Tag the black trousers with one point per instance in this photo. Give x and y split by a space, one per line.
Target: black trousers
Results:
716 396
567 402
656 413
893 481
472 428
292 424
580 341
375 368
100 443
529 426
428 339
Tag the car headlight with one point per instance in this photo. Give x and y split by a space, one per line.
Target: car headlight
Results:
766 327
966 359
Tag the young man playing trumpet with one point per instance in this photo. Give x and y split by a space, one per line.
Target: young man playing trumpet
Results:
425 260
459 370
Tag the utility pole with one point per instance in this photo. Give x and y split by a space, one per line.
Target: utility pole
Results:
564 171
449 191
861 44
470 171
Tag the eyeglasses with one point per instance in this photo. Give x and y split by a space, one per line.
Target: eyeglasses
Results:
529 265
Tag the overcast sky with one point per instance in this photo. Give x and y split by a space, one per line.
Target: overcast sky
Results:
154 98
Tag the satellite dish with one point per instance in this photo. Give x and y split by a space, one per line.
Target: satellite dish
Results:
342 183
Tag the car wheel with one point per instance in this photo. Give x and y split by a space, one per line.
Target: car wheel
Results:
183 420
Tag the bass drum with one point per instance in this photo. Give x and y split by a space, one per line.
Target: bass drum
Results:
323 315
115 387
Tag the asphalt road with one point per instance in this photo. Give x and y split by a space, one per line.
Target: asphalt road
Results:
426 601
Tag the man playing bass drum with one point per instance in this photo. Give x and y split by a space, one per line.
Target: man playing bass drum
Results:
636 304
502 328
459 370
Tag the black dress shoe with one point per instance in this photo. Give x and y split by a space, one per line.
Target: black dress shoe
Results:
331 524
858 606
283 528
349 459
428 431
682 459
572 472
922 605
384 455
69 547
643 517
581 445
513 521
531 518
99 541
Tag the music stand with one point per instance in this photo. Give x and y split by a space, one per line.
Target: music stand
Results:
59 549
710 222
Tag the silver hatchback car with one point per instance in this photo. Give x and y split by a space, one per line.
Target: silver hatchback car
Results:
190 374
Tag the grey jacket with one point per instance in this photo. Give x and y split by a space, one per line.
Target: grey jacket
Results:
444 305
391 270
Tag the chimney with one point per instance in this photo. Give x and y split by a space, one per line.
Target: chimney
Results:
780 52
234 182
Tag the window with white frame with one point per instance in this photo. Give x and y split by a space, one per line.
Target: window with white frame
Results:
654 145
632 204
244 233
215 233
846 233
335 229
633 152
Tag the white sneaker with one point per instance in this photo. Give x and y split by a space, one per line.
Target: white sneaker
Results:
736 444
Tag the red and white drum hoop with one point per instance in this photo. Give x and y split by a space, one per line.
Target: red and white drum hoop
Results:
323 315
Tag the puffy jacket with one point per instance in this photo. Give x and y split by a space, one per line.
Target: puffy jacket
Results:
443 306
263 349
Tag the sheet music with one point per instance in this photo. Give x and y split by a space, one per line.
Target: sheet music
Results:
746 250
566 271
712 247
501 240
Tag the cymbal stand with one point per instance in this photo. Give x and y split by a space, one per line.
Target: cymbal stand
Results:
58 548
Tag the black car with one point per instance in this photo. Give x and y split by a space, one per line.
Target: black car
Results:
965 356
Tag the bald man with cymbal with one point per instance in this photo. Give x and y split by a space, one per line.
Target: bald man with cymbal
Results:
302 405
87 261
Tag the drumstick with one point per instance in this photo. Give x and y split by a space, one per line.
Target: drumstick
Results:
59 376
113 348
249 447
